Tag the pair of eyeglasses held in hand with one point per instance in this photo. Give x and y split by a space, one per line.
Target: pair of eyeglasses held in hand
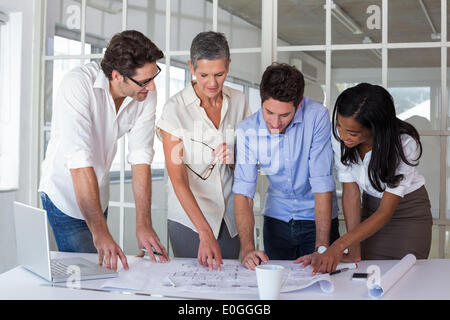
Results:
207 172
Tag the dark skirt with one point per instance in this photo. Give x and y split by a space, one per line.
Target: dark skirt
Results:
408 231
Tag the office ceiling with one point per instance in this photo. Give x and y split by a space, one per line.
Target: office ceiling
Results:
302 22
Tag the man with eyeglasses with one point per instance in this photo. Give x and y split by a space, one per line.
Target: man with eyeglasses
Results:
289 139
94 107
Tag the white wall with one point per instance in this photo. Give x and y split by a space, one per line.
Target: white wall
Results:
7 234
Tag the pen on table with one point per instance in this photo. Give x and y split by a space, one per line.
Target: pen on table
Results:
339 271
171 281
355 266
154 252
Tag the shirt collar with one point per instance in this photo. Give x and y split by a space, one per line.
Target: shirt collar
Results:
298 118
101 81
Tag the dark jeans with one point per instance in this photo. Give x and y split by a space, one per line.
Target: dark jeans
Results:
71 235
293 239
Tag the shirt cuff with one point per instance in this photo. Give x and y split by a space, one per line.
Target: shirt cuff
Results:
169 128
79 159
322 184
142 156
345 177
247 189
398 191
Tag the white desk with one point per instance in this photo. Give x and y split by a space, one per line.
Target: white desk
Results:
427 279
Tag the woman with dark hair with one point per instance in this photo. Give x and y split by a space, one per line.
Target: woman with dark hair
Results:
378 153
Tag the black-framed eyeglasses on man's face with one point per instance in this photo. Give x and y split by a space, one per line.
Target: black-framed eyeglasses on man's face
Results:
143 84
207 172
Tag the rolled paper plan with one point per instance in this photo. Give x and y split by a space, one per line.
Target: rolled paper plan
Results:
378 289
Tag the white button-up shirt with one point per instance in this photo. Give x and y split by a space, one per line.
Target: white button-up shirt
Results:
359 173
184 118
84 133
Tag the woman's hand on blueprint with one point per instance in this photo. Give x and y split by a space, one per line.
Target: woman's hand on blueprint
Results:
322 262
209 251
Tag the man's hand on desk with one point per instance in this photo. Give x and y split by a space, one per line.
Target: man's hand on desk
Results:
148 239
109 251
253 258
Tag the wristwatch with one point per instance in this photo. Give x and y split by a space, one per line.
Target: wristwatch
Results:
321 249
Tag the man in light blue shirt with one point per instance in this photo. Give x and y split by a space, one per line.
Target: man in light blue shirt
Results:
289 140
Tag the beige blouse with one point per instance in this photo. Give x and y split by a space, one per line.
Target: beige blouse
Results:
184 118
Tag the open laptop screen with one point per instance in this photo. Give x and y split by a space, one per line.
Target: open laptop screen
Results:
32 239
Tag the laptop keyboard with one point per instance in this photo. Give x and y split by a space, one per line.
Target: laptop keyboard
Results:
59 268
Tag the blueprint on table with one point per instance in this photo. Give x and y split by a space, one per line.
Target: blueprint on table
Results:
189 276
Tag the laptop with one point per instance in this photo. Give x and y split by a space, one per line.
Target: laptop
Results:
33 250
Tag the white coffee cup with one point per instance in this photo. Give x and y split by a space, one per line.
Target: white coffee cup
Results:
270 280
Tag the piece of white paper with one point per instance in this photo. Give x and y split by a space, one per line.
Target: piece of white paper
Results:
377 290
300 278
189 276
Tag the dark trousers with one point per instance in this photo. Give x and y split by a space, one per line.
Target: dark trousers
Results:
293 239
185 242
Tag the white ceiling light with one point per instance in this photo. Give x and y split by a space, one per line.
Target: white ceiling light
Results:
345 19
376 52
434 35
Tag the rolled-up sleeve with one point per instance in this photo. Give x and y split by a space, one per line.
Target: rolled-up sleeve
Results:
142 134
321 156
343 172
246 170
169 120
75 120
411 151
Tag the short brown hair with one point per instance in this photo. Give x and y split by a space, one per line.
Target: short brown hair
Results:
127 51
282 82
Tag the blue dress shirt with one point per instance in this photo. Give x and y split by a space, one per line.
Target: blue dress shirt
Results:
297 163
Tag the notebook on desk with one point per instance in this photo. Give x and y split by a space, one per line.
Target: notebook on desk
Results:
33 250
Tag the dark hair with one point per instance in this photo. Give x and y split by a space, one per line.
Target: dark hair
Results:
282 82
127 51
373 107
209 45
